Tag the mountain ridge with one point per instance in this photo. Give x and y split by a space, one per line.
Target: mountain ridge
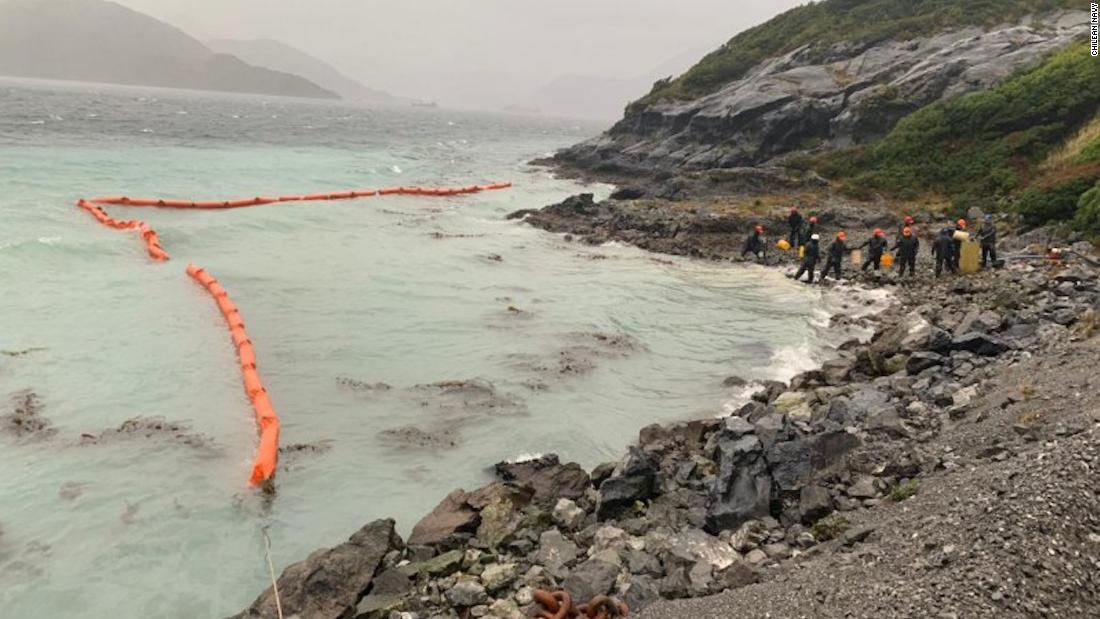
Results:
100 41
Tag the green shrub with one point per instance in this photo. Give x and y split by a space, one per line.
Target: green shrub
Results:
1039 205
1088 211
830 527
904 491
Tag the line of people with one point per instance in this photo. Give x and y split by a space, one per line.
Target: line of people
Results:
946 247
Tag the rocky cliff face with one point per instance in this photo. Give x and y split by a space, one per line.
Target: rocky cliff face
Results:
812 97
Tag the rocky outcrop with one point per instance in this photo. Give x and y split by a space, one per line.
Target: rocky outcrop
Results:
329 584
837 96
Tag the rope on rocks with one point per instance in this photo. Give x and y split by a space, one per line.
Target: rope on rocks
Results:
271 572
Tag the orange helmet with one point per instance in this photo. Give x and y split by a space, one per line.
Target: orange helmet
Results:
908 220
759 228
907 232
813 219
961 223
879 232
843 236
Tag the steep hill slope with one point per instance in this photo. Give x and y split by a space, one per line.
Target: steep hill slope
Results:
279 56
97 41
827 75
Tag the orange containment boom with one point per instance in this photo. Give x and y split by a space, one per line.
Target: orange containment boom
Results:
267 458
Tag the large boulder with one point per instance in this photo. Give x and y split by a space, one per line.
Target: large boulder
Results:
547 477
329 584
636 481
793 464
460 512
982 344
742 489
591 578
921 361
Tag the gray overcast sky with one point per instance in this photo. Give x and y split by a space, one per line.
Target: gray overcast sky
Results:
475 53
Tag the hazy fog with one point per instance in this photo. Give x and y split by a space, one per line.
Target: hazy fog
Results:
477 53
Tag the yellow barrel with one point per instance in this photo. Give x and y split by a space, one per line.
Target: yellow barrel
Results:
783 245
887 261
970 257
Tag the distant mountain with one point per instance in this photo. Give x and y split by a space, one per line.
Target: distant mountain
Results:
98 41
282 57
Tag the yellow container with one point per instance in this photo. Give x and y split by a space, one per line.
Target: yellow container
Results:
783 245
801 251
970 257
887 261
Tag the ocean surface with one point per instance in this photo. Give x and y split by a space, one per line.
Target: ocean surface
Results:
358 310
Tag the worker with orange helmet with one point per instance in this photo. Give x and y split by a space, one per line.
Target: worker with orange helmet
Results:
908 222
907 247
835 256
876 246
809 229
794 220
755 244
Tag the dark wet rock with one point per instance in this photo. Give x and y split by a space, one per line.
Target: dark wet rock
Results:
21 353
329 583
734 381
291 454
547 477
770 391
742 489
71 491
814 503
922 360
25 419
591 578
452 515
628 193
794 463
636 481
640 592
464 396
602 472
151 428
980 343
391 582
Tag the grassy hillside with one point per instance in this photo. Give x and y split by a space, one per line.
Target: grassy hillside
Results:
1031 142
832 21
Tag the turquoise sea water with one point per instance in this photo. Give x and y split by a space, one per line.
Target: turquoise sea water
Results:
396 290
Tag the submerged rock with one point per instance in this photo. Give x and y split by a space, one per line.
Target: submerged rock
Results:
150 428
25 419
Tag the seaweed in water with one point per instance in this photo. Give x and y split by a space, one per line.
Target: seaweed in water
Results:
26 420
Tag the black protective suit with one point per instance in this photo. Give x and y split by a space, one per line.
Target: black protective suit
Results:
876 245
809 261
808 231
795 222
956 255
754 245
834 258
988 237
943 248
907 248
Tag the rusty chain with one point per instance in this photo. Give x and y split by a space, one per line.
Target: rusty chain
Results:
559 605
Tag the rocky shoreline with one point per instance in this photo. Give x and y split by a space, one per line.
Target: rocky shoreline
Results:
903 452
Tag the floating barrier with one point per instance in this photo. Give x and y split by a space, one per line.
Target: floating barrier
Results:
267 457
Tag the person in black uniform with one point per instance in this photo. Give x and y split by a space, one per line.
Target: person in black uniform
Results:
956 256
943 248
876 246
835 255
794 220
754 244
809 261
909 223
809 229
987 235
907 247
